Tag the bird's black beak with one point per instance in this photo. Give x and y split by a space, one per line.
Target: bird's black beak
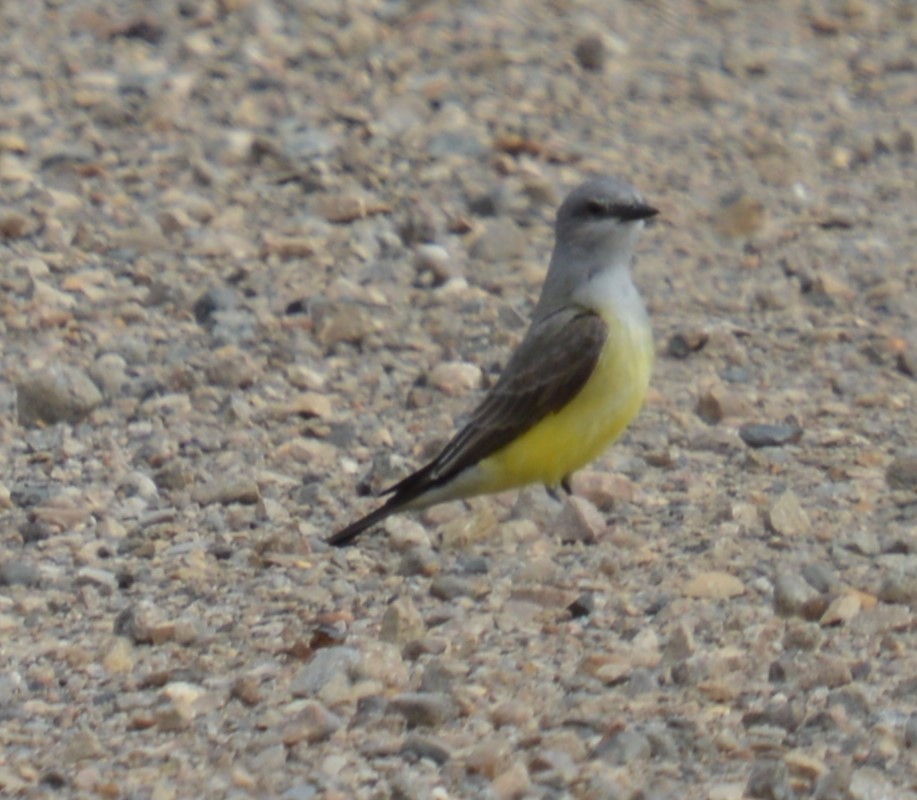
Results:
634 212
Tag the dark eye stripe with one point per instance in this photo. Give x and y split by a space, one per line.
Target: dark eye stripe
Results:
625 212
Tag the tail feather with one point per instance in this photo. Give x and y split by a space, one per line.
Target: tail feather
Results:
403 494
346 535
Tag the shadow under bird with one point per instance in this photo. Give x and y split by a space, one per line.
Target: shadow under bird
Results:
575 382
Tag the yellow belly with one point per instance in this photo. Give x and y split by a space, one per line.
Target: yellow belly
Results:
577 434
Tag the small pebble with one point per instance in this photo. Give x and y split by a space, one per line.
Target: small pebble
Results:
300 791
382 662
246 689
511 713
907 357
769 780
767 435
435 259
902 472
100 578
419 227
401 622
590 52
450 587
842 609
343 209
786 715
910 731
835 783
681 644
421 745
440 675
82 745
59 393
862 542
224 492
714 585
423 709
213 301
791 593
313 723
324 666
119 660
583 606
683 343
580 521
740 218
603 489
420 561
624 748
513 783
900 586
828 671
553 767
820 577
19 573
787 517
342 322
718 403
14 224
491 203
455 378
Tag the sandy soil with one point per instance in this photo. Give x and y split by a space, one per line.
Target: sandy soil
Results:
258 259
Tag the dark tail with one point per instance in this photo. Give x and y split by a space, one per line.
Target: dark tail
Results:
346 535
402 494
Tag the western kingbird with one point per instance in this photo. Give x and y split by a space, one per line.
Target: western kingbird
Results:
577 379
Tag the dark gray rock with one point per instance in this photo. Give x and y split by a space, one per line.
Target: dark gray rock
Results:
767 435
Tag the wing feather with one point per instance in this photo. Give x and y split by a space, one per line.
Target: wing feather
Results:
547 371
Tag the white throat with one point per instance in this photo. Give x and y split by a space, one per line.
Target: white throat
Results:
612 293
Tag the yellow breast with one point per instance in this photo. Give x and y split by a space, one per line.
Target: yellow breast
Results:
569 439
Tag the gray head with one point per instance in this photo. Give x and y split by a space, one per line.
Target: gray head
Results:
601 211
597 228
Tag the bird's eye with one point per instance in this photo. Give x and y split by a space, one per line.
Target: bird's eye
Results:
595 209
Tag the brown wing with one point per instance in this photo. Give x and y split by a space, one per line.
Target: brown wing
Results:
551 365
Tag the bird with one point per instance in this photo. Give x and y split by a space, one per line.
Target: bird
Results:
574 383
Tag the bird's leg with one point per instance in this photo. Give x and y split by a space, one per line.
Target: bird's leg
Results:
565 485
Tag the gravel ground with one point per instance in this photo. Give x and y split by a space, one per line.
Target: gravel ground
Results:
259 257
